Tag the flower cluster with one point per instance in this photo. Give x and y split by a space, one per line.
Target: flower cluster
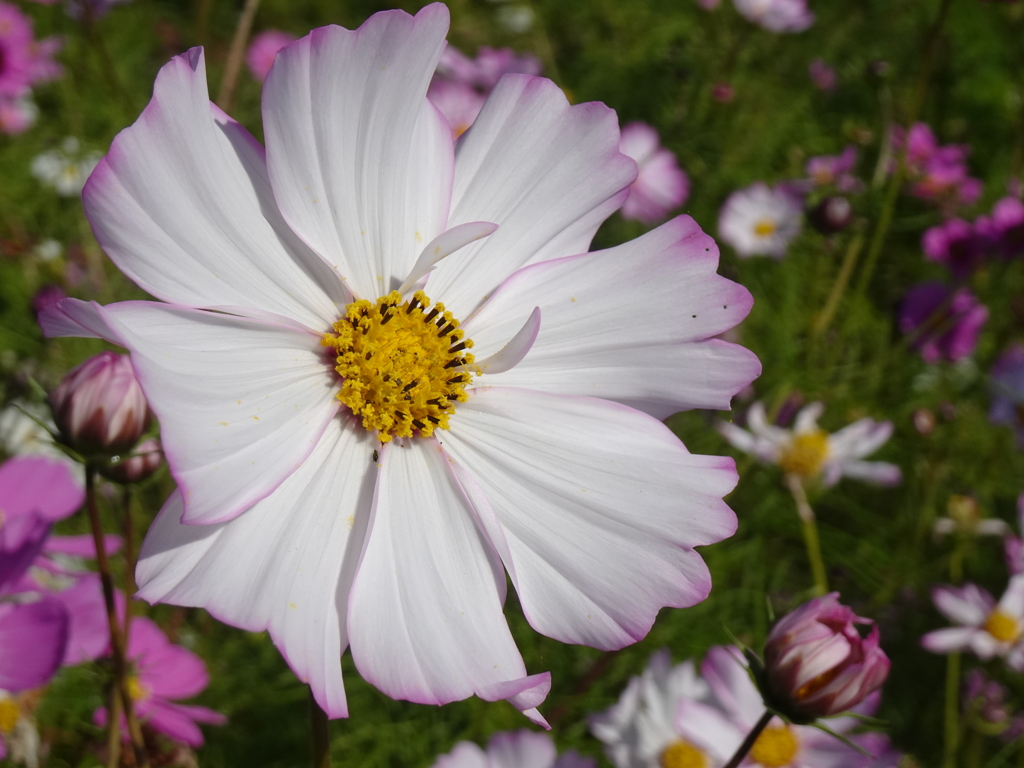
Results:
936 172
24 62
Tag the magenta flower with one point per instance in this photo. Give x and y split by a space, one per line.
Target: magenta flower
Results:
514 749
945 322
32 641
45 296
661 184
161 674
986 628
835 171
1007 223
822 75
777 15
1014 543
34 493
16 41
99 406
937 172
458 101
263 50
817 663
957 245
1007 389
379 509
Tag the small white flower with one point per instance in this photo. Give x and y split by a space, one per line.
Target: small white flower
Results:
808 451
987 628
760 220
516 18
964 516
49 249
63 169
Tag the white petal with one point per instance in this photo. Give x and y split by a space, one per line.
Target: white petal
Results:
284 565
465 754
241 402
709 728
593 507
547 173
425 619
1012 601
445 244
630 324
807 419
521 749
74 317
510 355
879 472
968 605
360 161
726 672
182 204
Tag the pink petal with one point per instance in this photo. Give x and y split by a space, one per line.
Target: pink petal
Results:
32 641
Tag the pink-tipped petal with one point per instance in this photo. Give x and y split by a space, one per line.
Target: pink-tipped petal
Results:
425 619
284 565
969 604
949 640
74 317
632 324
241 402
360 161
546 172
594 508
182 204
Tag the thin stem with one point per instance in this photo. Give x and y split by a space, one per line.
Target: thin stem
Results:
235 54
824 318
129 561
810 530
748 742
114 729
320 735
952 723
117 645
889 205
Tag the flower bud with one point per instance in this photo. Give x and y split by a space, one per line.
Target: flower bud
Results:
831 215
817 664
99 406
144 461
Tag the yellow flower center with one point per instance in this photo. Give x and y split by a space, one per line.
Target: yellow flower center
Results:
805 454
10 713
402 363
683 754
1002 627
775 747
137 690
765 227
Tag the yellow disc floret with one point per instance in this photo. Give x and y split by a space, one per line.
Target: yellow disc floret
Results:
683 754
775 747
805 454
765 228
10 713
136 690
403 364
1002 626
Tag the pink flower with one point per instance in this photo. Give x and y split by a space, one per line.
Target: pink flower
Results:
817 663
956 244
162 673
987 629
777 15
99 406
822 75
661 185
311 507
835 170
514 749
459 102
17 114
35 492
16 55
263 50
937 172
1008 226
32 641
945 323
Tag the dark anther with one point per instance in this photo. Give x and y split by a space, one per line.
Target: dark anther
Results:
436 401
417 424
412 305
386 320
456 380
431 316
446 330
402 414
409 386
369 355
386 377
457 348
453 362
434 419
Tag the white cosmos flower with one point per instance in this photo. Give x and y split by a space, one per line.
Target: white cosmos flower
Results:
65 169
986 628
760 220
301 508
639 730
809 452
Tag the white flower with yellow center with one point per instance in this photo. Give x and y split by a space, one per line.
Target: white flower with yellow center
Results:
810 453
387 370
760 220
986 628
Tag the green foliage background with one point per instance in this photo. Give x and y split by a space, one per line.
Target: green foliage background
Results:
657 62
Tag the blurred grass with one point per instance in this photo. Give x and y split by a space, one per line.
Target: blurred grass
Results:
657 63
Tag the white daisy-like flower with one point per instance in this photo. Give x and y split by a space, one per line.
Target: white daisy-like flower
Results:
760 220
987 628
640 730
359 464
65 169
964 517
809 452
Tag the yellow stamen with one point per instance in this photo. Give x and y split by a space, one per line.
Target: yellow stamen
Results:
403 364
10 713
136 690
1002 626
775 747
805 454
765 228
683 754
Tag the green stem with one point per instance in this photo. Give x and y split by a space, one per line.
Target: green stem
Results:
748 742
129 561
320 734
236 54
952 724
823 320
810 530
117 645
